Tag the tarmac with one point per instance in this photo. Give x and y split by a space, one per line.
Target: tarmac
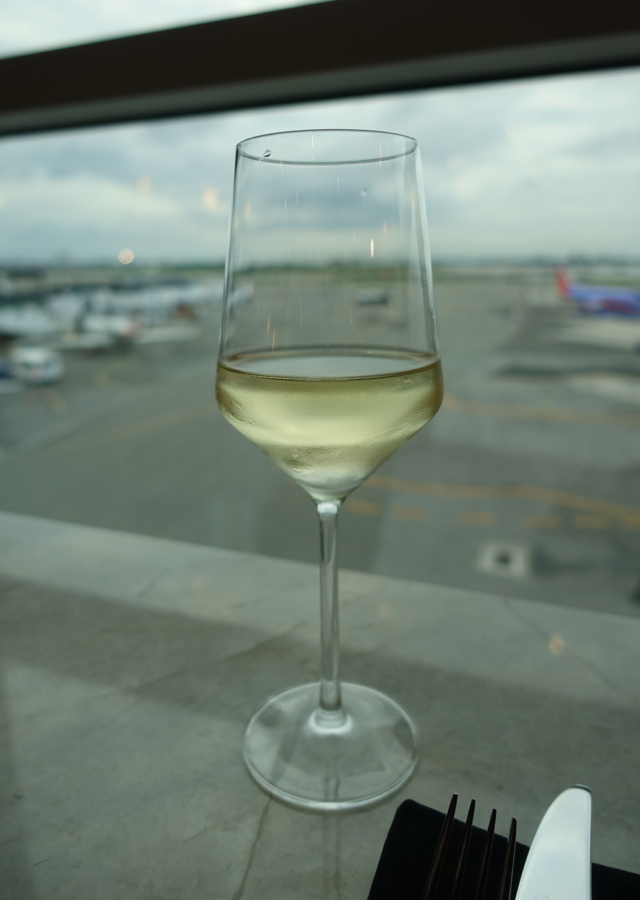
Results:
526 483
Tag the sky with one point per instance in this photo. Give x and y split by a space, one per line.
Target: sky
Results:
542 167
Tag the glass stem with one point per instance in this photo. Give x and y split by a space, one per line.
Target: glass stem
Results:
330 694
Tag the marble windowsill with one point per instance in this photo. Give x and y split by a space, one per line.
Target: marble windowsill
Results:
131 666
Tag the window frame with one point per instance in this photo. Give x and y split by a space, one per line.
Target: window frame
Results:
340 48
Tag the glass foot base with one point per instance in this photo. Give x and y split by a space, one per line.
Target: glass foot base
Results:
331 761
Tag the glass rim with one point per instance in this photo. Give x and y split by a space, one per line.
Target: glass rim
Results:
386 157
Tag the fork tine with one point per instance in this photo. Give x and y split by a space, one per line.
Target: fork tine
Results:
433 878
507 872
486 858
464 852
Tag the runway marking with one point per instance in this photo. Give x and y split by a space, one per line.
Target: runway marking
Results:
363 507
538 413
469 517
542 521
57 403
591 522
103 377
574 502
409 513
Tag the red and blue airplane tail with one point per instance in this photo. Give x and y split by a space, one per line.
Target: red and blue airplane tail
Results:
562 283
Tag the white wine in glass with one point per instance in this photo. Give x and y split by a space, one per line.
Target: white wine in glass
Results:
329 363
329 420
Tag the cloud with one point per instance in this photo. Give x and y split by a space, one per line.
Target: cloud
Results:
92 217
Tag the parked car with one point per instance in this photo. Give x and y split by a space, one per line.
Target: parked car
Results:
37 365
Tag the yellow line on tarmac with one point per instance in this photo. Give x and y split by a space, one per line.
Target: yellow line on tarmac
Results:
542 521
363 507
409 513
103 377
538 413
57 403
582 521
508 492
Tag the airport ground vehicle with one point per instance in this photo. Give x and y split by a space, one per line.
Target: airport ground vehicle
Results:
37 365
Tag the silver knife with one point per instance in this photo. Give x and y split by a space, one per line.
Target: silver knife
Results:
558 866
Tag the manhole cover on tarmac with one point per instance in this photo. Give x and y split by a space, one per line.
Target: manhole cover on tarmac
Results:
507 560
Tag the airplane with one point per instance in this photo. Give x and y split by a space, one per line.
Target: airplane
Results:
28 321
598 299
155 302
81 327
102 318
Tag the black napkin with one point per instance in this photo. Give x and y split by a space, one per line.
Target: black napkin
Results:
411 843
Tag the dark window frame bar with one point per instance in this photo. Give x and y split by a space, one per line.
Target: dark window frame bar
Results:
341 48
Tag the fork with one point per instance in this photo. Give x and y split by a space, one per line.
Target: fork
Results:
433 878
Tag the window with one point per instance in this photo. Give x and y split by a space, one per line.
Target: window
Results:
524 483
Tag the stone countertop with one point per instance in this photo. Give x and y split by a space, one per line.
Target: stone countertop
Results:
131 666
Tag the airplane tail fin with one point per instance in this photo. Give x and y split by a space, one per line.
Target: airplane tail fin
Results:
562 282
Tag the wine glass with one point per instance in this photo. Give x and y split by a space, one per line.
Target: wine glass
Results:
329 362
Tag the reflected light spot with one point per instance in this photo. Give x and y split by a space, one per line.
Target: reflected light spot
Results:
210 198
371 249
143 184
126 256
556 644
247 209
453 162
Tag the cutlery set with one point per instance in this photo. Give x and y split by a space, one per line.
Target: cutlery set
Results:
431 856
